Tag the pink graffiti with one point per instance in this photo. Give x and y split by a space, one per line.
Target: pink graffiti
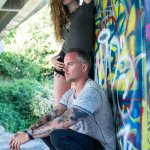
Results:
148 31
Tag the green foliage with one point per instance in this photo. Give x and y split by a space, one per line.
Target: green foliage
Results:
22 102
27 93
29 45
18 66
11 119
10 38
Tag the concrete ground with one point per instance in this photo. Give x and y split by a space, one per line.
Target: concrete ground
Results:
32 145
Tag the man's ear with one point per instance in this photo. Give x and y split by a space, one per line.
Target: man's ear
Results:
84 67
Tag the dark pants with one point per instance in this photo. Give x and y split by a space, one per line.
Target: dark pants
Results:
62 139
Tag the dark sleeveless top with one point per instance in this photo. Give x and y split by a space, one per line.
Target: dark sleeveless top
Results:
81 34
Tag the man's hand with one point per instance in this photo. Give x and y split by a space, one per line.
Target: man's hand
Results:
17 140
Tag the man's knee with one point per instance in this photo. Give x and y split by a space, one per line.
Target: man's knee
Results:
57 136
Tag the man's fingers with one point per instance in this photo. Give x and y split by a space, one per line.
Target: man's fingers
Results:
10 146
11 140
13 137
18 145
13 144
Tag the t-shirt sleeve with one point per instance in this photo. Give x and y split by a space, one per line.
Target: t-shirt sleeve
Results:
89 101
64 99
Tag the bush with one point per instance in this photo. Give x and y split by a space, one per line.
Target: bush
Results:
20 66
22 102
17 66
11 119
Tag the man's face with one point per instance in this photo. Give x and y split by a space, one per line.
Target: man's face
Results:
67 2
73 67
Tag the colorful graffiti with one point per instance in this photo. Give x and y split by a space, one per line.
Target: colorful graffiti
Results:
120 66
147 35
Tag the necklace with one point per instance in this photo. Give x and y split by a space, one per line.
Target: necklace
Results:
68 24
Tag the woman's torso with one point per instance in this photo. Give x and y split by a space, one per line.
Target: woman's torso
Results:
81 34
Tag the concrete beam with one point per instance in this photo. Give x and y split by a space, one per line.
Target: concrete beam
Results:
5 18
14 4
2 2
9 10
30 7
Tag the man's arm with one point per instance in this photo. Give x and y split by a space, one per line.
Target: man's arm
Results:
69 118
22 137
55 112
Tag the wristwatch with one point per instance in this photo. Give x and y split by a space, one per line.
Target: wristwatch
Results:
29 132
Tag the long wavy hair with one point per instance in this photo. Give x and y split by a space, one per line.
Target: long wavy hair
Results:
60 16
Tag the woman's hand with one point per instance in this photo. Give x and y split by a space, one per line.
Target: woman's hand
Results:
57 64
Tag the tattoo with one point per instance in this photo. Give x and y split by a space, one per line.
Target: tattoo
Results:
46 118
43 133
43 130
71 116
78 114
53 114
65 119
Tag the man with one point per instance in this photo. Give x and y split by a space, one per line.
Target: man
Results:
82 120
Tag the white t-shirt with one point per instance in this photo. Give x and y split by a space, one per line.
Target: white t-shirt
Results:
99 123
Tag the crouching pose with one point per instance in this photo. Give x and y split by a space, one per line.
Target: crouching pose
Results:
83 119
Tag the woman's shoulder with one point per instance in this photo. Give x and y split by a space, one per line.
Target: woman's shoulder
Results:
88 7
88 3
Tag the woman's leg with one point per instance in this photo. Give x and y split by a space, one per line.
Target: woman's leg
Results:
60 87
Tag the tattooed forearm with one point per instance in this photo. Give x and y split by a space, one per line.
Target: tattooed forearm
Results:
46 118
52 115
44 130
69 118
64 117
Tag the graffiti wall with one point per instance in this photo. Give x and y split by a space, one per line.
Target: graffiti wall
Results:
147 39
122 56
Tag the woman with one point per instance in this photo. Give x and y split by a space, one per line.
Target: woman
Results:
74 25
